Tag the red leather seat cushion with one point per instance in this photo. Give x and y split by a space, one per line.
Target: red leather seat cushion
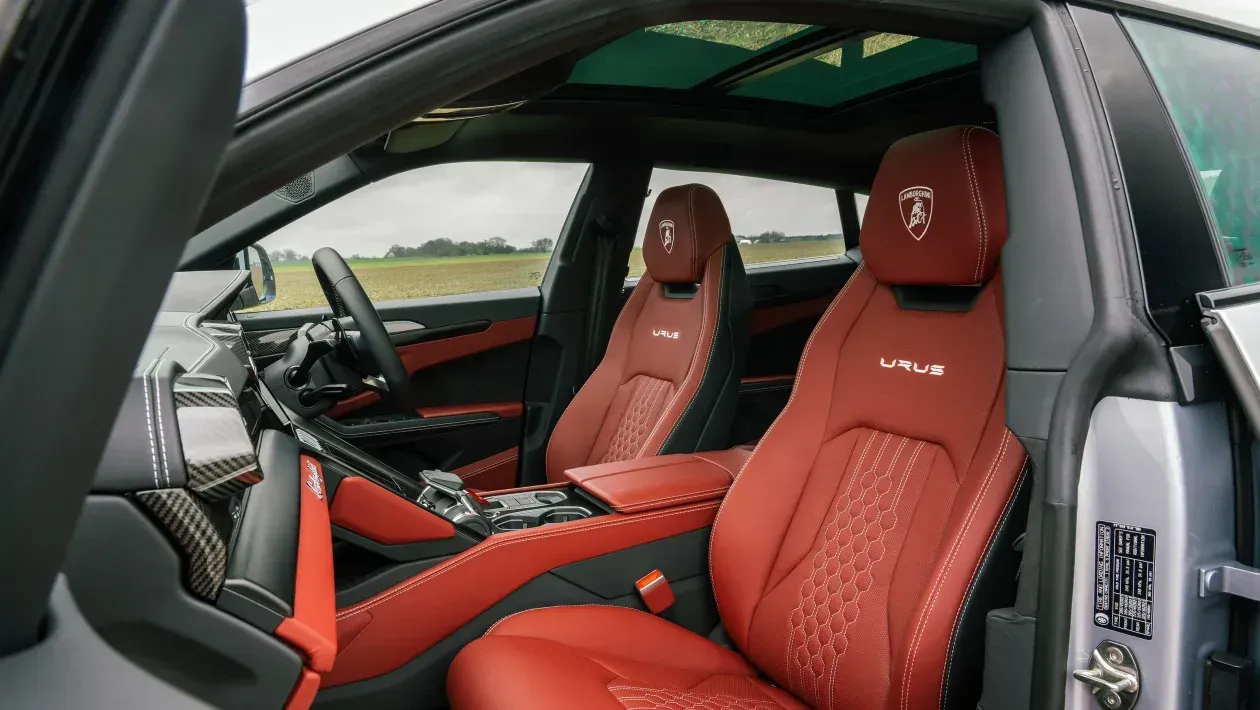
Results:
595 658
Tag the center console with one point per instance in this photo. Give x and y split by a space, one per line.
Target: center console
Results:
445 494
585 541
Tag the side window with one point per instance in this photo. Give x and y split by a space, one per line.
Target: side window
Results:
772 220
436 231
1212 90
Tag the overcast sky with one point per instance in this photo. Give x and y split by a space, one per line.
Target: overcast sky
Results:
522 202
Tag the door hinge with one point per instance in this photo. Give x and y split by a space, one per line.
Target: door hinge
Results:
1112 676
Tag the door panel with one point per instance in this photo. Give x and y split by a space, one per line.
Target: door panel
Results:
467 355
788 301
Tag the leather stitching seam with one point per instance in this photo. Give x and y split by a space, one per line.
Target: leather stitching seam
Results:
644 282
936 583
683 497
795 387
1008 509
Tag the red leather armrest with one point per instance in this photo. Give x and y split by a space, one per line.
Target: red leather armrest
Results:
661 481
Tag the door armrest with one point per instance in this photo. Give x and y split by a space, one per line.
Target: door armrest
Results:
660 481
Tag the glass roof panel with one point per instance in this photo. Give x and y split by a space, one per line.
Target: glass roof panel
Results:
858 68
681 54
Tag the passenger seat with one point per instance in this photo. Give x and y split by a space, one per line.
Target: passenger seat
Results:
669 380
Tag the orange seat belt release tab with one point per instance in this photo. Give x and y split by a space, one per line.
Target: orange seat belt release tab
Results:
654 589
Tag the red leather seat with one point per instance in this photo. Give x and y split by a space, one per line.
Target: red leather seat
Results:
669 380
848 557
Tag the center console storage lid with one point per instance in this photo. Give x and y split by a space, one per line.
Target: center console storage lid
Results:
660 481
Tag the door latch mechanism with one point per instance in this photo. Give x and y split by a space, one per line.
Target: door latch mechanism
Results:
1112 676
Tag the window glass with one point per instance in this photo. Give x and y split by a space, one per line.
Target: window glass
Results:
857 68
681 55
772 220
1212 90
436 231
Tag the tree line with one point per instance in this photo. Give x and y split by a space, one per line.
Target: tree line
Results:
449 247
776 237
444 247
439 247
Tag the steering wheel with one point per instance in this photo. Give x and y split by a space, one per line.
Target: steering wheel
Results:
346 297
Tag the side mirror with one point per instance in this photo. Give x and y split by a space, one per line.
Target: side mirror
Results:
262 278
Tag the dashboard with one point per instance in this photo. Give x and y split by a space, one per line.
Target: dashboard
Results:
204 550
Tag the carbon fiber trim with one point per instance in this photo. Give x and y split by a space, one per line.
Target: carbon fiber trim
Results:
185 518
218 453
232 335
269 343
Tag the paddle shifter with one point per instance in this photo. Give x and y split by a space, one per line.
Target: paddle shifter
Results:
445 495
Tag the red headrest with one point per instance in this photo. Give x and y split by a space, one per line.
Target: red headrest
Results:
688 223
937 213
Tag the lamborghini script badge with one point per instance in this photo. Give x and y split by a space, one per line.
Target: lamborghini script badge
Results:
667 235
916 210
313 480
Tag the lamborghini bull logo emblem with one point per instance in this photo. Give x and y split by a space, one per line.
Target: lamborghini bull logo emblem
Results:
667 235
916 210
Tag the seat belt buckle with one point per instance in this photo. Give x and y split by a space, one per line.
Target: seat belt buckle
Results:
655 591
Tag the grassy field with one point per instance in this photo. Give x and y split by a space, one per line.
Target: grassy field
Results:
389 279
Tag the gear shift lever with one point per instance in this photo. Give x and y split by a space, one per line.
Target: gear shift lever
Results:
445 494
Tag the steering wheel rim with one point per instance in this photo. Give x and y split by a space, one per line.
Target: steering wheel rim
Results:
346 297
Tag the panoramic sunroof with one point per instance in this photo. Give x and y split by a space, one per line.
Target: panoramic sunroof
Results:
803 64
680 55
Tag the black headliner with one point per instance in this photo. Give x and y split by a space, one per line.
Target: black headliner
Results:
841 148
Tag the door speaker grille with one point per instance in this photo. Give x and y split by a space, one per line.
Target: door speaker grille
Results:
300 189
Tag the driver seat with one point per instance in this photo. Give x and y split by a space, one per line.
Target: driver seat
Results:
864 540
669 379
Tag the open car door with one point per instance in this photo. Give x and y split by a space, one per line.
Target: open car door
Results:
114 116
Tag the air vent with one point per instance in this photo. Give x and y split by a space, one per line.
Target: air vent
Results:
298 190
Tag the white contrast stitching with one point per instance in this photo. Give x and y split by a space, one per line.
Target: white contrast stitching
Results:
800 605
645 282
157 405
949 564
148 422
975 203
691 370
668 499
708 360
1007 509
469 474
795 386
691 218
561 606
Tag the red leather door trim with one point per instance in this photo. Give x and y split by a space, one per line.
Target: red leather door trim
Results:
493 473
764 319
312 629
409 618
433 352
367 509
507 410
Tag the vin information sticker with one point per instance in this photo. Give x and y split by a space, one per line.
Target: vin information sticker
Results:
1124 578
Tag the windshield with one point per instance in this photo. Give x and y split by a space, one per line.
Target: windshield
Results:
280 32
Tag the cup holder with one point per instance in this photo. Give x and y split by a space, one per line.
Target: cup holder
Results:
563 514
535 518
